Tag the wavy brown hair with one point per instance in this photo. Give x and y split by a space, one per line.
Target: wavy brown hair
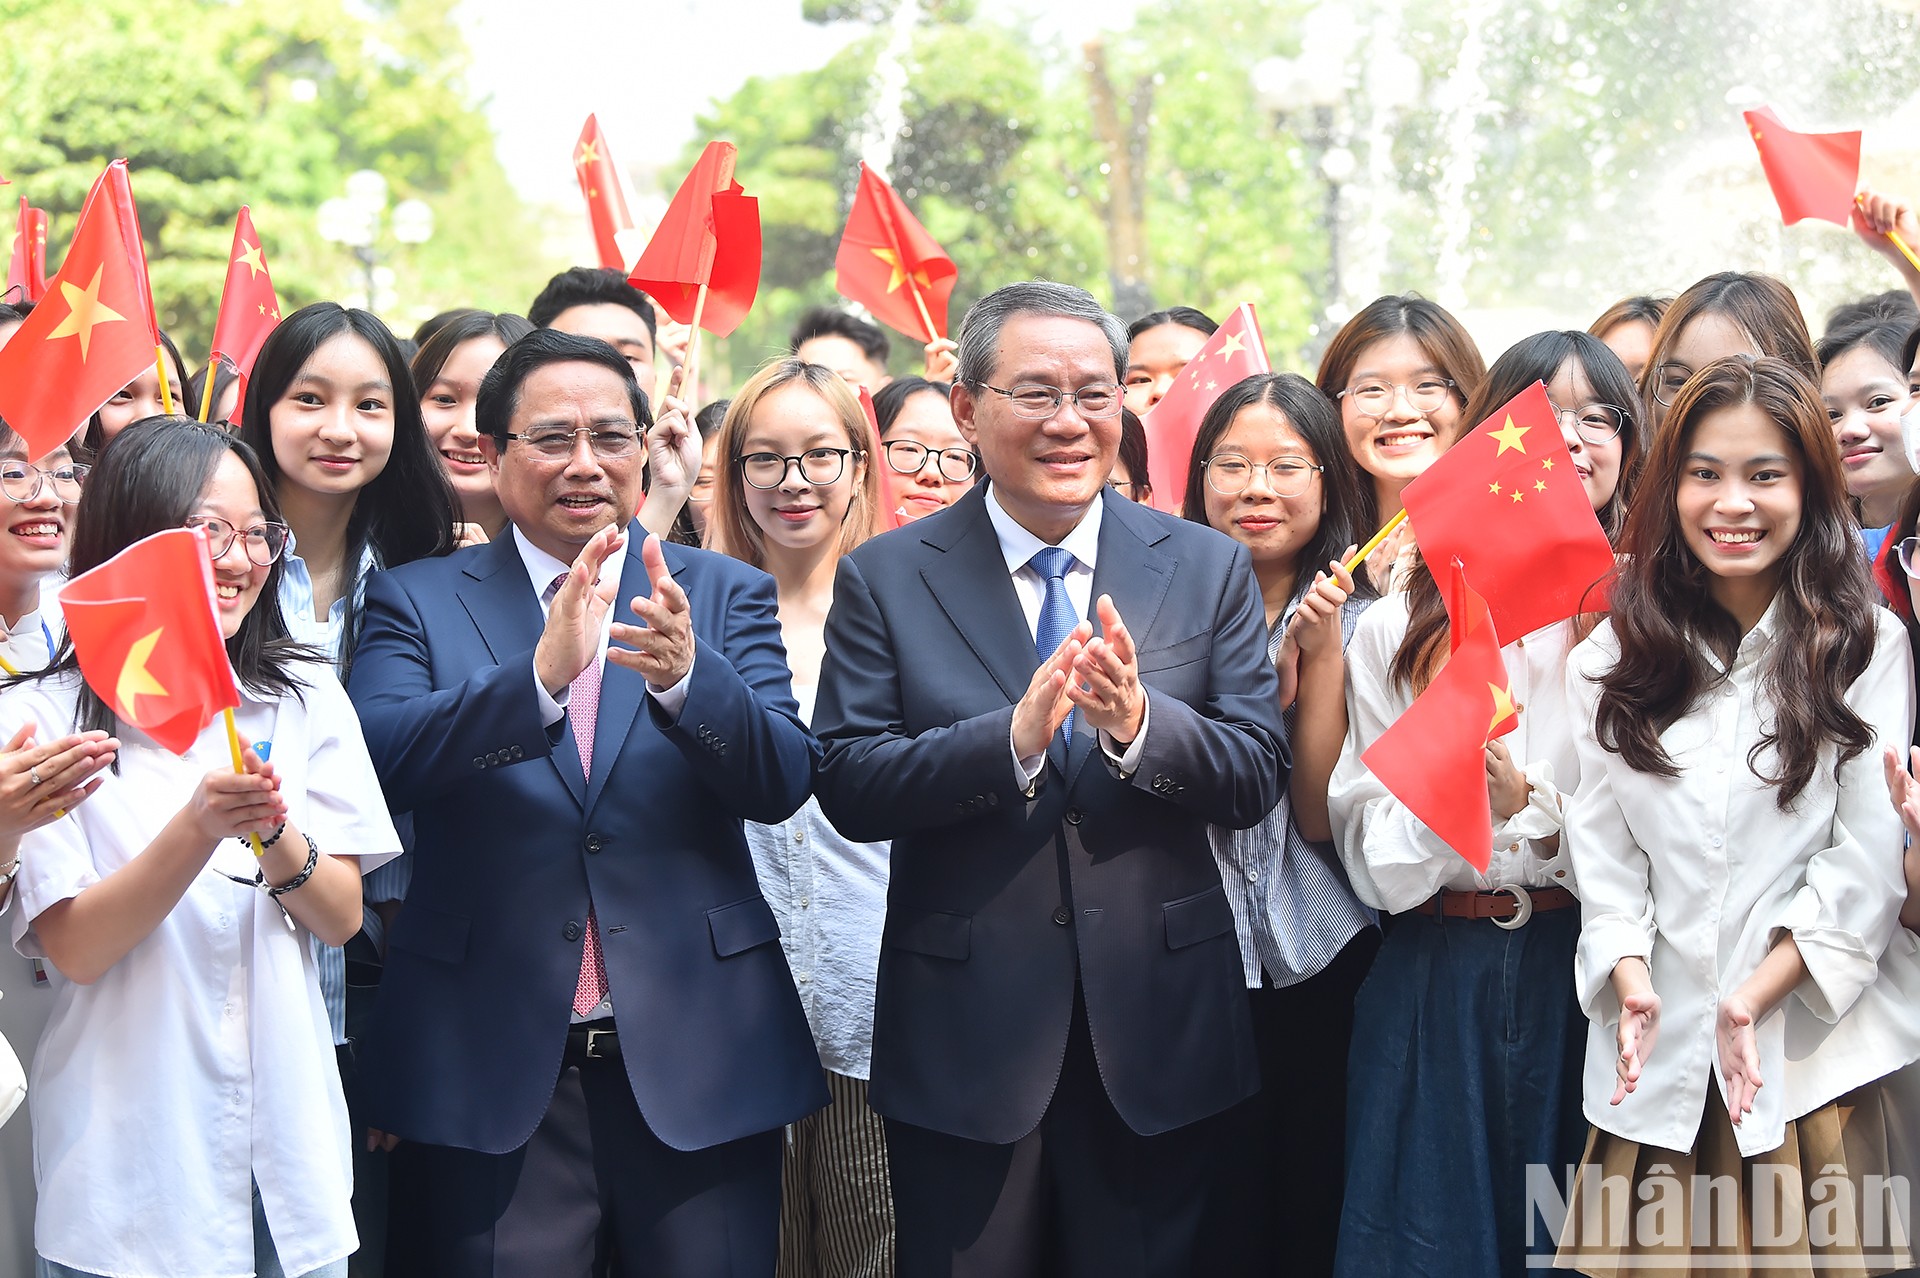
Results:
1666 619
1760 306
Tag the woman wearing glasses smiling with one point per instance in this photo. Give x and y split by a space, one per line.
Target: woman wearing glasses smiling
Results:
187 1114
930 460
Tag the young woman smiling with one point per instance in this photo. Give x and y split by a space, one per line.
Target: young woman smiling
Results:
1864 385
447 371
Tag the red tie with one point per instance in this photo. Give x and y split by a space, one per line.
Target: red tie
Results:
583 710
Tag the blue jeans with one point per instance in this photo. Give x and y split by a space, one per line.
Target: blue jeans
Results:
266 1262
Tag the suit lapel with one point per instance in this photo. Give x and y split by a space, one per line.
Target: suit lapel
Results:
621 689
1137 575
971 584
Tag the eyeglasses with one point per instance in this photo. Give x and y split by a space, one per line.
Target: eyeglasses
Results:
1230 474
21 481
608 441
909 457
1668 379
817 466
1594 423
264 542
1031 399
1131 489
1375 397
1908 552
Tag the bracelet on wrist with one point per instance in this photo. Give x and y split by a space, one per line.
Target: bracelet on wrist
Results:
246 840
306 871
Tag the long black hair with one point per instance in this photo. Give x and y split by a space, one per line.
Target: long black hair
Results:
150 481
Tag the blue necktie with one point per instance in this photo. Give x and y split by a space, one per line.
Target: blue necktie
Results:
1057 618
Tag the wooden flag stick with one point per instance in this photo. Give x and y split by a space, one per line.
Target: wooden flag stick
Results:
1906 251
921 304
160 367
688 385
1373 542
240 766
206 400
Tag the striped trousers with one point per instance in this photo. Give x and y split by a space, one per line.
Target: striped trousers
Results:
836 1204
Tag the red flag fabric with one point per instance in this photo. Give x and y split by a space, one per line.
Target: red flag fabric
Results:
892 511
1234 353
710 235
1433 757
27 266
1507 502
92 335
600 184
1812 174
889 264
147 636
248 307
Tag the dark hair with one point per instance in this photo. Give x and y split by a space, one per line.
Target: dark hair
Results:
1895 305
1887 338
149 481
185 402
500 388
707 421
890 399
406 512
1313 418
433 324
1184 316
10 312
826 321
1761 306
1133 453
1666 620
1538 358
223 377
457 328
590 286
979 338
1892 579
1642 308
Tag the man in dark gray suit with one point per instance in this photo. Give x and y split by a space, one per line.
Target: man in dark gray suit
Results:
1043 695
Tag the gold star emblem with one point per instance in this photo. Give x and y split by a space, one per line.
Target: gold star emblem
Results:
274 314
262 306
1511 436
899 276
85 312
135 679
252 258
1546 463
1232 346
1539 485
1517 496
1502 706
587 155
1212 385
1756 135
1494 488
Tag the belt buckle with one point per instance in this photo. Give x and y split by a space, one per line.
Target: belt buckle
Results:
594 1038
1523 907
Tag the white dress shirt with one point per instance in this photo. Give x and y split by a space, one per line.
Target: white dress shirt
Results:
1017 546
1701 873
201 1062
30 642
1393 860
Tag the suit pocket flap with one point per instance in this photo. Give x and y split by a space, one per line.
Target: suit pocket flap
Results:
941 935
1177 653
739 927
430 933
1197 918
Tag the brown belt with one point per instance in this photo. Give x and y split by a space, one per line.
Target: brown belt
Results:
1509 906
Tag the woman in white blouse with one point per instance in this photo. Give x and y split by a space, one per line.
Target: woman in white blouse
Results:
187 1115
796 486
1740 867
1464 1068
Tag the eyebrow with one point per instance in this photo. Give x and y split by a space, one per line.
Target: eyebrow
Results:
813 440
1751 461
317 380
550 423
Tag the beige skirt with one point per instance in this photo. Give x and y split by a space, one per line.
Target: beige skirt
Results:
1827 1202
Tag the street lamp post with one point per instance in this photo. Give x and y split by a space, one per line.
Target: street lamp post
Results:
355 221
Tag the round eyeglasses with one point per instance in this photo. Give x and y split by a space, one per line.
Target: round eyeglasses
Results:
1594 423
1908 552
21 481
264 542
1374 397
1668 379
608 441
817 466
1032 399
1230 474
910 457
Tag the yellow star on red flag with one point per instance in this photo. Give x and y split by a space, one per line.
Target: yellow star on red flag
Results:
135 679
587 155
1502 706
252 259
899 276
1232 345
85 312
1510 436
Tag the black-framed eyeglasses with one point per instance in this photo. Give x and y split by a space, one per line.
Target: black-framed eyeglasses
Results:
265 542
1374 396
1668 379
608 440
1038 401
910 457
817 466
1594 423
1230 474
21 481
1908 553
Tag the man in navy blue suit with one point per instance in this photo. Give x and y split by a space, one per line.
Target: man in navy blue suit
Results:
1043 695
587 1039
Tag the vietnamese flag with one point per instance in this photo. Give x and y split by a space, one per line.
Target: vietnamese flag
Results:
889 264
606 202
1506 501
1433 757
27 266
148 639
248 307
1234 353
92 334
710 236
893 513
1812 174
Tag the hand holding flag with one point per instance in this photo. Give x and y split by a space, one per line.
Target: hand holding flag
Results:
889 264
1235 352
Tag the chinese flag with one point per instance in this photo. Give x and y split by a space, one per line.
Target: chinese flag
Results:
600 184
92 334
148 639
248 307
27 267
1812 174
1234 353
1433 757
710 235
1505 500
889 264
892 512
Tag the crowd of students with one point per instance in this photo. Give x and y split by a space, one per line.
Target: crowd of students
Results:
1692 956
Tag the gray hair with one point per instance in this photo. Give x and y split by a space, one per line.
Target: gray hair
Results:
980 330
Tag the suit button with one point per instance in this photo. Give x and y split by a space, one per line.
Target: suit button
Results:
479 762
993 800
1075 816
514 753
571 931
595 843
1061 916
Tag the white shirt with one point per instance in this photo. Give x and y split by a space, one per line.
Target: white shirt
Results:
1393 860
1700 873
29 644
1017 546
202 1060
